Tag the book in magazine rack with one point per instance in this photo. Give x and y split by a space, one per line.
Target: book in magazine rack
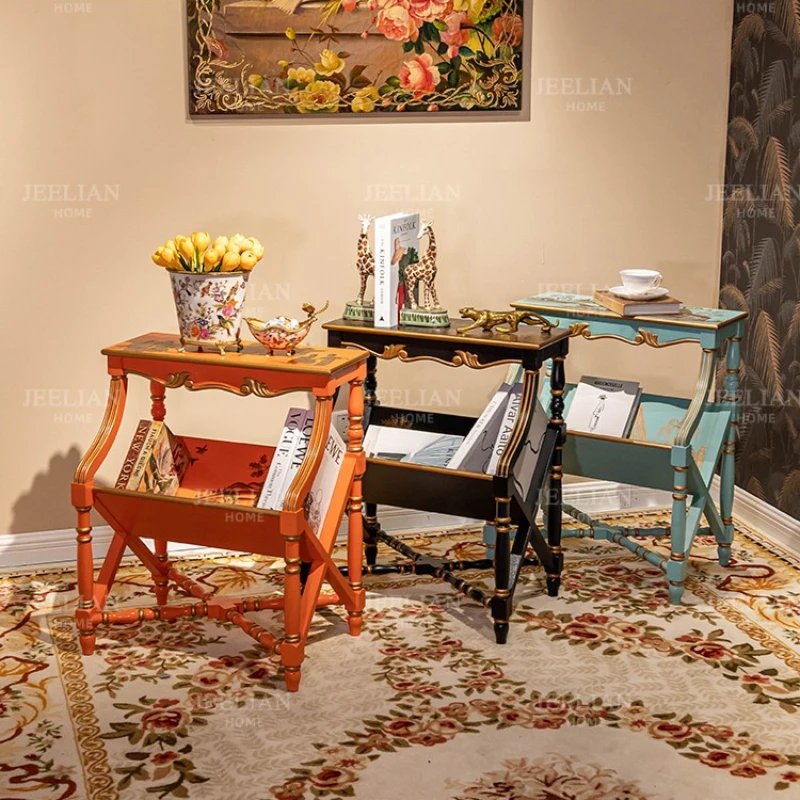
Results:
676 444
192 517
510 498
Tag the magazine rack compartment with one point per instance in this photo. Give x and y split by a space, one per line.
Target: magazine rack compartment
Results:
215 503
510 498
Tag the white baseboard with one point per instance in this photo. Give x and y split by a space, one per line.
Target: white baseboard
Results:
58 547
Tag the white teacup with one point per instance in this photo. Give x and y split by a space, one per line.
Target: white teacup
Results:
640 279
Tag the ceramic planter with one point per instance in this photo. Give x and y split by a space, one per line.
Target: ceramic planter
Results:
209 306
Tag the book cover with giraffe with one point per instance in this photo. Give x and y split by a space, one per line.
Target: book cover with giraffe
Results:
396 247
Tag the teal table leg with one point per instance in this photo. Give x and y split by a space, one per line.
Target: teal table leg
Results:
729 452
676 566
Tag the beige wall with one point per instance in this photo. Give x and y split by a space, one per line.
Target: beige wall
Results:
568 198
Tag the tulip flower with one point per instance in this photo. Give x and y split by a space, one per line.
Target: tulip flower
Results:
170 258
211 259
158 258
248 260
200 241
230 262
221 243
257 248
186 248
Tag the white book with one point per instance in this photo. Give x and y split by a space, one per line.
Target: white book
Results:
603 406
319 498
506 426
282 457
410 446
396 236
475 451
302 438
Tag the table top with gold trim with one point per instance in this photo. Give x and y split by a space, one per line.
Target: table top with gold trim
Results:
583 306
528 337
317 361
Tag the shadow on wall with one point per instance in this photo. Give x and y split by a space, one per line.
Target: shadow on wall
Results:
46 506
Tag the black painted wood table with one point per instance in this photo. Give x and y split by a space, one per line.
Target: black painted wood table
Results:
510 498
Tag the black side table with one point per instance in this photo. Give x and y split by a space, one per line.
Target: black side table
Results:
511 497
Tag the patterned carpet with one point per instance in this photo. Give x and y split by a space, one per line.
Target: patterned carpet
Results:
604 692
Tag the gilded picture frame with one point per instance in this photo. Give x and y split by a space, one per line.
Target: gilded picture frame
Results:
356 58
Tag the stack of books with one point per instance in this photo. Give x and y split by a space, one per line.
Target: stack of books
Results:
637 308
290 454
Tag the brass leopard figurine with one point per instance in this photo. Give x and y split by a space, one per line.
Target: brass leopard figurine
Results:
511 320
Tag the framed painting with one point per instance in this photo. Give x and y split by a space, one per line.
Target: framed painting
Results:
360 58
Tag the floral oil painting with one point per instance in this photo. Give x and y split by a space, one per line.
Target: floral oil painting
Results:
355 57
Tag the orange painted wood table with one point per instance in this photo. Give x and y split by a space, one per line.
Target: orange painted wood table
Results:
195 516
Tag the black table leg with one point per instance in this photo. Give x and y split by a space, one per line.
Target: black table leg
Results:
371 525
554 497
500 603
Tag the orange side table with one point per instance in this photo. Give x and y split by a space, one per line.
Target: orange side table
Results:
190 517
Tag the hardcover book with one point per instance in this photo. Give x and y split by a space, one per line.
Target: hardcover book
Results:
410 446
396 246
156 461
281 461
506 426
303 437
475 451
166 463
604 406
637 308
132 457
319 498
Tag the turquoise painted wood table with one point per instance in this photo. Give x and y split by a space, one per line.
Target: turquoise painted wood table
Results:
676 444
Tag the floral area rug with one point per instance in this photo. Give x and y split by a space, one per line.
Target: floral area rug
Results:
604 692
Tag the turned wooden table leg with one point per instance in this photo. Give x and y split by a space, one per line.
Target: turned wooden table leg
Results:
158 411
371 525
500 603
292 656
85 559
82 499
555 497
355 529
728 467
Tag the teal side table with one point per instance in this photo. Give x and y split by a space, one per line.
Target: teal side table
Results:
676 444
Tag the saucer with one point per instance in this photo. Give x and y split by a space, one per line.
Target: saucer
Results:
627 293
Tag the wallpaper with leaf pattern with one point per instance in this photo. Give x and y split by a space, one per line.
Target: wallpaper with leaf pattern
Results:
761 243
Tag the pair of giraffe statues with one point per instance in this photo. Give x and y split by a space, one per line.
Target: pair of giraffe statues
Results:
423 272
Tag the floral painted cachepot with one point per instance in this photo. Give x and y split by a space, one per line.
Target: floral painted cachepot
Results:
209 307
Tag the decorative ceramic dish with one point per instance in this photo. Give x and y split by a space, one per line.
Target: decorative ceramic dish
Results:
651 293
284 333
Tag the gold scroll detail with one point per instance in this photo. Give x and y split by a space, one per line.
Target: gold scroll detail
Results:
461 358
642 336
249 385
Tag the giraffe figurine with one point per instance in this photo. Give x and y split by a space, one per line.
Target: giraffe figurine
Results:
424 272
365 261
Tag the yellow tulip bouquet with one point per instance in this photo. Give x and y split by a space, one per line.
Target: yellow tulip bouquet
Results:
197 253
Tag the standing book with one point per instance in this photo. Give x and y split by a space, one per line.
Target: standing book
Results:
604 406
282 458
303 437
396 244
506 426
166 464
156 461
129 465
318 502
